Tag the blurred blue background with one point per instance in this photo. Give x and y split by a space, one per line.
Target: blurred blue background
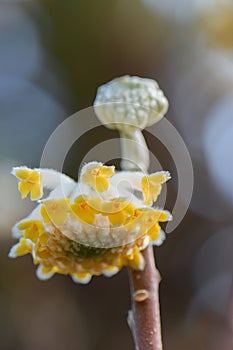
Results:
53 56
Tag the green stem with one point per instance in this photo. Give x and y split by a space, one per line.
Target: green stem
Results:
135 154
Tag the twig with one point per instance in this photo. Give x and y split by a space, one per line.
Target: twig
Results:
145 304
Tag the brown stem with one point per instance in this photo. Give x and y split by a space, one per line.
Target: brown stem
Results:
144 320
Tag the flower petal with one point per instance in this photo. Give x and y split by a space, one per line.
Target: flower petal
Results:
81 277
44 273
110 271
83 211
136 260
96 175
55 211
22 248
24 188
152 186
29 182
160 239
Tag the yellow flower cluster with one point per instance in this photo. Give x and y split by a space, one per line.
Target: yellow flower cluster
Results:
83 234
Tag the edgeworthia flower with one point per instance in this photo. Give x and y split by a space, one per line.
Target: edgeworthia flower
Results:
87 228
96 225
130 104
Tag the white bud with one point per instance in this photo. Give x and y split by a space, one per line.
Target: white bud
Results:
130 104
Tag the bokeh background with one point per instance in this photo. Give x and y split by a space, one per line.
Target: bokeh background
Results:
53 56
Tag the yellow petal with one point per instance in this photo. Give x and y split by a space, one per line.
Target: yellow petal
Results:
106 171
158 178
151 187
56 210
44 214
83 212
23 247
97 177
24 225
135 260
153 232
33 231
30 183
101 184
114 206
81 277
22 174
118 218
95 204
79 200
111 271
36 192
24 188
164 216
44 273
44 238
34 177
118 211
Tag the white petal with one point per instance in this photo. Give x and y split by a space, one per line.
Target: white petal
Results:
169 215
43 276
11 253
163 172
16 233
84 280
14 169
111 272
161 238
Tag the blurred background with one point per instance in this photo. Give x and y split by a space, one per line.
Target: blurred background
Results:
54 54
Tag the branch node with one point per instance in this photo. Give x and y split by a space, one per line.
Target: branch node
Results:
141 295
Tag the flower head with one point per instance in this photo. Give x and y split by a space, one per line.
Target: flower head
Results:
130 101
92 227
130 104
